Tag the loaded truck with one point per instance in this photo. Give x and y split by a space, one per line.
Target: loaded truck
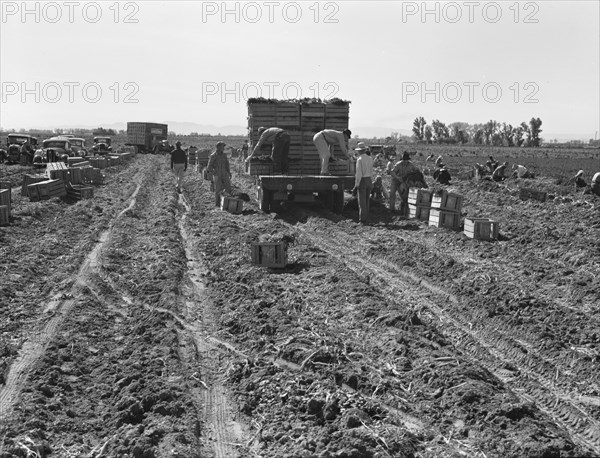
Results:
302 182
147 137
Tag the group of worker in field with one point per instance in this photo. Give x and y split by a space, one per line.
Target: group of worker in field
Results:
404 174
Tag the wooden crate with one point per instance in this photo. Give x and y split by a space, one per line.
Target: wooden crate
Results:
74 160
232 205
98 162
269 254
52 166
45 190
447 201
442 218
260 168
481 228
7 185
82 164
115 160
59 175
79 192
5 198
4 215
528 193
420 197
419 212
30 179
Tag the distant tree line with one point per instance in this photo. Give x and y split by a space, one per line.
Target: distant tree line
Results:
491 133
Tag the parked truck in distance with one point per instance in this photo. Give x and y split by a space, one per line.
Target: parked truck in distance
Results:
146 137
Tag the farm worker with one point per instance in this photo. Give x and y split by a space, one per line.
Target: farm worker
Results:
218 165
430 157
179 164
363 183
520 171
27 151
578 180
280 140
379 192
326 140
404 175
596 184
491 164
245 150
500 172
442 175
439 162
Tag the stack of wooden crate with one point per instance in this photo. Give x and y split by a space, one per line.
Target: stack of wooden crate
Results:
445 210
419 203
57 170
302 120
5 203
98 162
45 190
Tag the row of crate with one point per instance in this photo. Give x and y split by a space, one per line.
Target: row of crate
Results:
443 209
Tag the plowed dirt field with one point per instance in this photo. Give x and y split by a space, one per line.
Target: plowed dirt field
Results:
134 324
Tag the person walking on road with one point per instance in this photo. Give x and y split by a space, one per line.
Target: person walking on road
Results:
280 140
325 141
179 164
218 166
363 183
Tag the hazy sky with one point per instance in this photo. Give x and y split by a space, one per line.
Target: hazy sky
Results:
96 63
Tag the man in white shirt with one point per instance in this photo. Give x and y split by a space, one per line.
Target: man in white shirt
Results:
326 140
363 181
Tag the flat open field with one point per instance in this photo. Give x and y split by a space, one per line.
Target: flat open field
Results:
134 324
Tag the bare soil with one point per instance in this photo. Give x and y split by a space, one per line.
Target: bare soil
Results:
134 324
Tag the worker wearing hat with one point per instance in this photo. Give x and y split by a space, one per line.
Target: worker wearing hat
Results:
218 166
179 164
402 173
363 183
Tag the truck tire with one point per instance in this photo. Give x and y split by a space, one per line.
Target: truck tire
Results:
338 201
264 199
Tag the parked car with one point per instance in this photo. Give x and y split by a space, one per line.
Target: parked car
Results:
102 146
54 149
14 142
78 146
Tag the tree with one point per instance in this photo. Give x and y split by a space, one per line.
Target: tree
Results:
458 131
507 134
534 129
427 134
419 127
440 131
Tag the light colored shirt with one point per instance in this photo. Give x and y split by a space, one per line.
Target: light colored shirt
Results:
596 178
335 137
364 168
521 170
218 164
268 136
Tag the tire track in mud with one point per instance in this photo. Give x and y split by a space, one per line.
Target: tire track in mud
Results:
60 305
536 377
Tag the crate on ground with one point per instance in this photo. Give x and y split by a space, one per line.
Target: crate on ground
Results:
7 186
420 197
57 171
82 164
115 160
260 168
98 162
5 198
4 215
481 228
45 190
419 212
30 179
442 218
232 205
532 194
74 160
269 254
79 192
447 201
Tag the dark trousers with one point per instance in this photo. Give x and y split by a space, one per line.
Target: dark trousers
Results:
281 149
364 196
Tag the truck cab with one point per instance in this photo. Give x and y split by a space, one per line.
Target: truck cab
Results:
78 146
55 149
102 146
